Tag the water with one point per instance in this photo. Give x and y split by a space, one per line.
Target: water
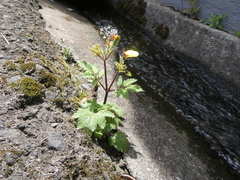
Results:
211 105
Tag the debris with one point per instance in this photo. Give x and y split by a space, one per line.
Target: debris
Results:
5 38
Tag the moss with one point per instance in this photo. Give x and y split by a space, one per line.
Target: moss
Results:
75 101
63 74
7 172
3 80
28 68
162 30
82 95
9 65
29 87
59 102
47 78
20 60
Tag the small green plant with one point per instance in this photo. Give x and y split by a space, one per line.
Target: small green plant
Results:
238 33
67 52
215 20
193 10
102 119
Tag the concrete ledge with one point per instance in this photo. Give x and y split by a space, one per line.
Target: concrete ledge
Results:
217 50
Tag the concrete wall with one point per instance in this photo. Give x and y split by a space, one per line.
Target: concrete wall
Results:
229 7
219 51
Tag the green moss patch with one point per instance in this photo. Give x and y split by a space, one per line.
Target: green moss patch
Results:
47 78
20 60
28 68
9 65
162 30
29 87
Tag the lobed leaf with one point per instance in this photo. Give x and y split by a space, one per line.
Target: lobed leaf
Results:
114 108
120 81
129 82
119 141
91 120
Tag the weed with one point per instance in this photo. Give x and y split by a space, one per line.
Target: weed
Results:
67 52
102 119
215 20
193 10
238 33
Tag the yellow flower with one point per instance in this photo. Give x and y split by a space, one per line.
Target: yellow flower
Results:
116 37
131 53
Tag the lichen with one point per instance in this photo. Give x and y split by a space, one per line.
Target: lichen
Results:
162 30
9 65
28 68
46 78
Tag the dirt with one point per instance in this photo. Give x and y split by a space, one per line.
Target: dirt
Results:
38 137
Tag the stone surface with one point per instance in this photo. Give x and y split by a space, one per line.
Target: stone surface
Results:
55 141
38 140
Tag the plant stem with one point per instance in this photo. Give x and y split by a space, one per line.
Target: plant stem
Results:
113 81
106 84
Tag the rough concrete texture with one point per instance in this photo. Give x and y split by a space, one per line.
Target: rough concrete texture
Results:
216 49
159 150
229 7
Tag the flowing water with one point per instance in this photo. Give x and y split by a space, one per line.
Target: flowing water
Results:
209 104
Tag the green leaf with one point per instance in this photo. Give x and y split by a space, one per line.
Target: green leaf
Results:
134 88
88 131
129 81
98 134
113 44
100 74
92 117
111 124
90 120
119 141
121 60
88 76
118 66
220 27
84 65
127 87
93 105
120 81
95 82
128 73
114 108
125 94
119 92
97 50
